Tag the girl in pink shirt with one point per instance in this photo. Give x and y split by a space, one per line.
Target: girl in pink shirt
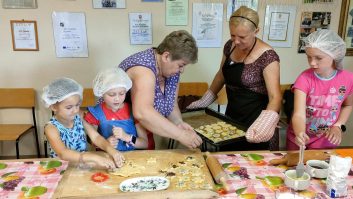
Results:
322 95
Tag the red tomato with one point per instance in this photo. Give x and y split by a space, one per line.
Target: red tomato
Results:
99 177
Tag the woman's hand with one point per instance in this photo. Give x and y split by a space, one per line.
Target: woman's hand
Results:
301 139
334 135
118 159
185 126
190 139
113 141
205 101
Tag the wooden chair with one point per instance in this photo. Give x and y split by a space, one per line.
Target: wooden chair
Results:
221 98
87 100
192 88
18 98
189 88
275 140
285 87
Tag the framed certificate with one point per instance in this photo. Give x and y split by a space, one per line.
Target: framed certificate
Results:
345 28
19 4
24 35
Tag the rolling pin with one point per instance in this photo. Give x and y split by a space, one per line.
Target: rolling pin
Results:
215 168
217 171
291 159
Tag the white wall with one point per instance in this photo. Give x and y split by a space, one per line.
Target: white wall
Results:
108 43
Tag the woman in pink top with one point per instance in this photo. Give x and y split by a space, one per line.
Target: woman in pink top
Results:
322 95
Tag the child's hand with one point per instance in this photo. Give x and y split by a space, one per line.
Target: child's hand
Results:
334 135
120 134
118 159
103 162
301 139
113 141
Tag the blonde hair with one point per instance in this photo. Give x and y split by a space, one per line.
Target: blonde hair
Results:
245 16
181 45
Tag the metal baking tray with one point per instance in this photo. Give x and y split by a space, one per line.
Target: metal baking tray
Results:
227 119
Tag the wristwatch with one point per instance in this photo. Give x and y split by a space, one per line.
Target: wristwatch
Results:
133 139
342 127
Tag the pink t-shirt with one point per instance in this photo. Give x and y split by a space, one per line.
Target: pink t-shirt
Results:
323 105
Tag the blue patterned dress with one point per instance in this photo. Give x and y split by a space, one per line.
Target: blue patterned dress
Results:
163 102
74 138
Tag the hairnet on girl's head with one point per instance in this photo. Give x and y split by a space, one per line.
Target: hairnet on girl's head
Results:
328 42
60 89
109 79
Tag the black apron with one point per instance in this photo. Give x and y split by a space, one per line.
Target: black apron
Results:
244 105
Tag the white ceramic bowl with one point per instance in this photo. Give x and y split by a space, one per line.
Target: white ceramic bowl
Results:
295 183
317 168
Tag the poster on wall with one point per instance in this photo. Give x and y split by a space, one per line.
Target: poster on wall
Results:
176 12
70 34
279 23
310 22
140 28
109 4
207 24
233 5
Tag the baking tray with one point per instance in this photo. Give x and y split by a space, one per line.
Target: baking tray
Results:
227 119
191 110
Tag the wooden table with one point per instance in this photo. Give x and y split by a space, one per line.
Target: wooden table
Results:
77 183
262 179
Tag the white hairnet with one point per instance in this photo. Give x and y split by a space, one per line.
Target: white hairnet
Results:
60 89
109 79
328 42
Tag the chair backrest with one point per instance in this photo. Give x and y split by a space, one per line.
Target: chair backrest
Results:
287 101
17 98
222 97
192 88
285 87
88 98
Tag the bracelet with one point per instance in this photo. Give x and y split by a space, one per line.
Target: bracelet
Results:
80 159
133 139
81 164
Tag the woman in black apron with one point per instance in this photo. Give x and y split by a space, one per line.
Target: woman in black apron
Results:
250 72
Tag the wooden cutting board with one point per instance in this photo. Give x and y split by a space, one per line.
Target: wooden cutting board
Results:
77 182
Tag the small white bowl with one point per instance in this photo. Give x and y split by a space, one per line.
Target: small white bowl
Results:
295 183
317 168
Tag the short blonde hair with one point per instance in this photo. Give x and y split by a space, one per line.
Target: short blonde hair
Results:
245 16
